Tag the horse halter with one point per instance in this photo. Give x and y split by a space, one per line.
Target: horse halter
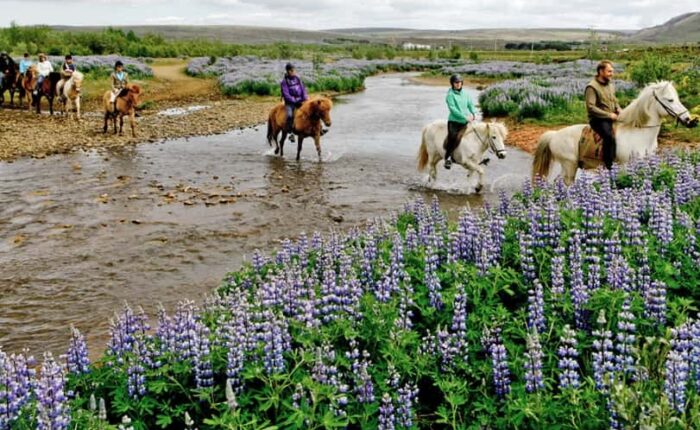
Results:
690 123
491 144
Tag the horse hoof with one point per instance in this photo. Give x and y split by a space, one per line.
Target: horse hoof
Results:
478 188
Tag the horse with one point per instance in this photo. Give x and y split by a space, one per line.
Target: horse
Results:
28 84
10 82
48 90
638 127
69 93
126 103
307 123
476 140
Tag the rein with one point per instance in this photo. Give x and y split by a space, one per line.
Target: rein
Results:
491 144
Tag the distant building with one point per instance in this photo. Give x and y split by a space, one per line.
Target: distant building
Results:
409 46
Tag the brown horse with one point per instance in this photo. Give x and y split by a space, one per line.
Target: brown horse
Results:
307 123
48 90
126 103
10 82
28 84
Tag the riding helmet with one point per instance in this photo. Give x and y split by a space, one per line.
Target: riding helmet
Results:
118 63
455 78
289 67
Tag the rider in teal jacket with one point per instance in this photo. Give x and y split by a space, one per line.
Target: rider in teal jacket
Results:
459 103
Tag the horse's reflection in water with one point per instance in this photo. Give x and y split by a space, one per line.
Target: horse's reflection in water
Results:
297 184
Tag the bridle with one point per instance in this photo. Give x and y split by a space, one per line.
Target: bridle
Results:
491 143
690 123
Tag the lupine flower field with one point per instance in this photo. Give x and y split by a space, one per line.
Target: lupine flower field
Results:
566 308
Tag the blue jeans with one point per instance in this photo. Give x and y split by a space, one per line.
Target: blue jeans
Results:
290 117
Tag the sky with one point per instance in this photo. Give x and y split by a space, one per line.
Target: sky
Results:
325 14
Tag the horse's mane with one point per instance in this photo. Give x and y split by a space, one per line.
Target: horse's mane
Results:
500 128
316 104
77 76
638 112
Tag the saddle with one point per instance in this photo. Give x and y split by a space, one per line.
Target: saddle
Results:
590 148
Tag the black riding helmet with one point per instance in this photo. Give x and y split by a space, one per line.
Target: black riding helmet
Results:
455 78
289 67
118 63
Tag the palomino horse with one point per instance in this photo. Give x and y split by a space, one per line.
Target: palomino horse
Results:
476 140
126 103
69 93
48 90
307 123
28 84
10 82
638 127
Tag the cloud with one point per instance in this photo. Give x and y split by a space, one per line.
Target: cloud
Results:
166 20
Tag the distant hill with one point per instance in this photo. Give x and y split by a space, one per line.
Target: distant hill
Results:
227 33
683 28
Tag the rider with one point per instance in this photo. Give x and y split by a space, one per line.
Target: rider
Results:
119 80
603 108
458 103
294 94
44 68
6 64
25 63
67 70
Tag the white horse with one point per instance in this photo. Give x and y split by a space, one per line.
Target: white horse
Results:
69 94
638 127
476 140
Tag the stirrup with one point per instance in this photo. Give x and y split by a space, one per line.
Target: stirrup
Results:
291 137
448 163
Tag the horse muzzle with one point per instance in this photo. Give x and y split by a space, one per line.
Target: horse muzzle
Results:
501 154
691 122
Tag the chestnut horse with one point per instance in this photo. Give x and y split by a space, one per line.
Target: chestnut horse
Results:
307 123
48 90
126 103
10 82
28 84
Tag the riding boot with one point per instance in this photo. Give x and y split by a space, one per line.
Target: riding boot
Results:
290 131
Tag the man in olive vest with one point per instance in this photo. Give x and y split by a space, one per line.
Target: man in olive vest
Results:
603 108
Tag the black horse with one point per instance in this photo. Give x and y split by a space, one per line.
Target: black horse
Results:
10 82
48 90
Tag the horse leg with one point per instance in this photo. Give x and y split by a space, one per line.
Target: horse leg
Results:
51 104
317 142
77 108
569 172
433 169
121 125
114 121
301 139
280 147
104 129
132 122
471 166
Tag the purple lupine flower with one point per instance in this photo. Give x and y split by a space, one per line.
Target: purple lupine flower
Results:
324 371
603 356
459 324
527 257
185 330
620 274
407 396
655 302
165 333
53 412
677 371
411 242
17 380
535 307
299 398
204 376
126 330
430 278
387 419
501 373
695 351
77 357
446 349
533 363
557 281
258 261
364 387
394 378
568 360
579 292
468 236
624 346
274 334
593 273
661 220
136 379
404 318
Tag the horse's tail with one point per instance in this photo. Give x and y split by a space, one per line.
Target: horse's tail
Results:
543 156
270 133
423 152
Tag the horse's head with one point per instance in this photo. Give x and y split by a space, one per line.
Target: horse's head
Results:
77 79
322 108
496 133
665 101
134 93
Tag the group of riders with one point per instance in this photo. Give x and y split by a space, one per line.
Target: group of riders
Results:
601 104
43 68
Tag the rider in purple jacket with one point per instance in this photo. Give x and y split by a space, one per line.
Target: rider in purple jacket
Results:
294 94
